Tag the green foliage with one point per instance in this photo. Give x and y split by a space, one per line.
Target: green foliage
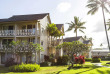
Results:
53 30
94 6
10 62
25 68
76 25
96 60
88 59
45 63
25 46
73 47
64 60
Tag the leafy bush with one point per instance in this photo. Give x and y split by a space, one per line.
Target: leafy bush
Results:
25 68
95 60
79 60
46 58
105 59
88 59
45 64
63 60
10 62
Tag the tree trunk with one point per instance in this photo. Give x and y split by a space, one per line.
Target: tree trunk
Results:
72 60
35 57
105 28
76 33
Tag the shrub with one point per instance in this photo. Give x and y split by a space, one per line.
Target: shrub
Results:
79 60
59 60
10 62
45 64
88 59
95 60
25 68
63 60
46 58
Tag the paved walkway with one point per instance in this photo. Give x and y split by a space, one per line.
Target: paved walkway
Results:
99 64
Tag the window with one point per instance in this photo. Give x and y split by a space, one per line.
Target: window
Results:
6 41
32 40
42 30
41 42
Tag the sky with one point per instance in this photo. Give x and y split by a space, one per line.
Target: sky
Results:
61 12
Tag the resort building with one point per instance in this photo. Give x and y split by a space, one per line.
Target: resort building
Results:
31 28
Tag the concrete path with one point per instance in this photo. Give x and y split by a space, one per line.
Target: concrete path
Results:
99 64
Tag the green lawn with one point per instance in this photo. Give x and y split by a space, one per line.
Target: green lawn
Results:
87 68
104 63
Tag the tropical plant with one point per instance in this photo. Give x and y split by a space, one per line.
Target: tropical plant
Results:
26 47
72 48
53 31
76 25
94 5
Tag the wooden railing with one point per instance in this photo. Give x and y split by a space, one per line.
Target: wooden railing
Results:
25 32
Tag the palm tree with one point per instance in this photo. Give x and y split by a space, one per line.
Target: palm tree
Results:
76 25
94 5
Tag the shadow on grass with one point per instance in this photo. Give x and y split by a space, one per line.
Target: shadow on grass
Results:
4 69
78 67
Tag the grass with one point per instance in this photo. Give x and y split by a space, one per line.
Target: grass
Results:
87 68
104 63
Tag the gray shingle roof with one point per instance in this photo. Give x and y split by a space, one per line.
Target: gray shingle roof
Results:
25 17
59 26
71 39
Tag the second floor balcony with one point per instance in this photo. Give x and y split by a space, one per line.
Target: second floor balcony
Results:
24 32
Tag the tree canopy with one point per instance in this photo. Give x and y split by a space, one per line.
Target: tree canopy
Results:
76 25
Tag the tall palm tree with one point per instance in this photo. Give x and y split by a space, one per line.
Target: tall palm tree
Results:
94 5
76 25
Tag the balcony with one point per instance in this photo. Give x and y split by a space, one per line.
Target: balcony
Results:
28 32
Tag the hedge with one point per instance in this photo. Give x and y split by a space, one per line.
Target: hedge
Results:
96 60
88 59
25 68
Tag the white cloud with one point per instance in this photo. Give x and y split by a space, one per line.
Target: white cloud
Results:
63 7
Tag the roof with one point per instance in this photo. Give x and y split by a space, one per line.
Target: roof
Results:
24 17
71 39
100 50
86 42
59 26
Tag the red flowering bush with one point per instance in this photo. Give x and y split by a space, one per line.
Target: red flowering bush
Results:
79 60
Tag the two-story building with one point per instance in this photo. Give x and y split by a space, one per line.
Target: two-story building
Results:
31 28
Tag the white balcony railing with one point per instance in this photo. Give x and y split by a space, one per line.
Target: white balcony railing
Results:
6 32
28 32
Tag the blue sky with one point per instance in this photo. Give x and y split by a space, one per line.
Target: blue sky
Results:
61 11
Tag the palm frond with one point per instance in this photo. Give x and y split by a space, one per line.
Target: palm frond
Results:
105 8
92 5
71 26
81 23
81 30
93 10
82 27
76 20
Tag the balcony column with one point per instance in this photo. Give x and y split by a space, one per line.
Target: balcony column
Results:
15 31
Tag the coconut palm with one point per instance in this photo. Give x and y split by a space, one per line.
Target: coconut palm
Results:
94 5
76 25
